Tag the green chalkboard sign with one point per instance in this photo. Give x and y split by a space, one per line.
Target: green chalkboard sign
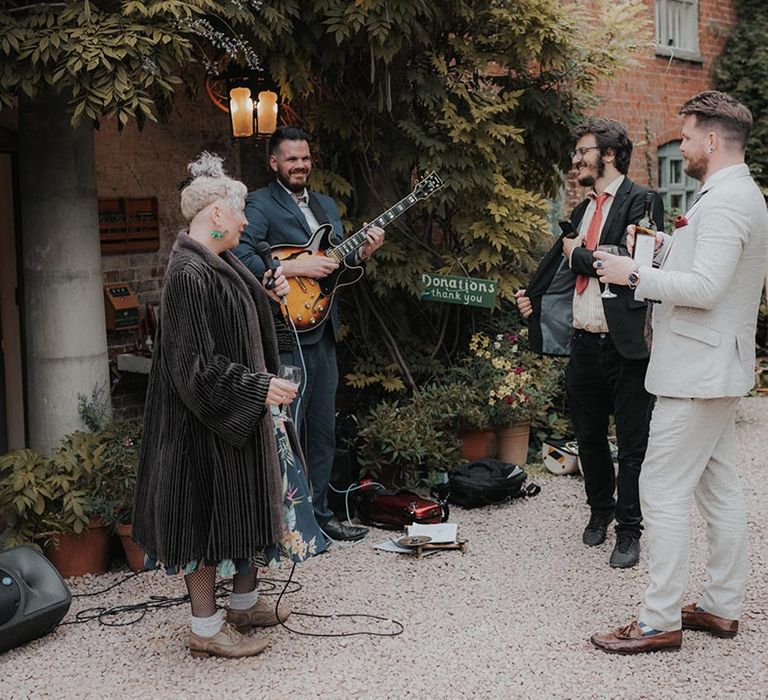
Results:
467 291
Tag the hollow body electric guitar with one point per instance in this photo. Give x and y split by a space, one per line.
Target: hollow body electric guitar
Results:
309 301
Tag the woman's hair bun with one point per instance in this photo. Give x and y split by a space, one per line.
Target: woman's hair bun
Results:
207 165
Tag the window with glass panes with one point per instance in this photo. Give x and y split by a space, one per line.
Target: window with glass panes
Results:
677 188
677 28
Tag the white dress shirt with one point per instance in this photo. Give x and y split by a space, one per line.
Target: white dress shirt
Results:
588 313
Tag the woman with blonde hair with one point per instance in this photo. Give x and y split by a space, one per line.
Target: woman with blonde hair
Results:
220 485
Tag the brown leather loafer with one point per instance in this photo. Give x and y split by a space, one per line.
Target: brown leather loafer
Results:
630 640
227 643
701 620
260 614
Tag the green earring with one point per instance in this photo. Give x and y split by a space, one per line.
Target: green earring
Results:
217 235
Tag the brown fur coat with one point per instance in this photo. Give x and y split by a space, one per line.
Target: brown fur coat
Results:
209 484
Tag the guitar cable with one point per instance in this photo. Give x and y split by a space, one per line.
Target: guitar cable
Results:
130 614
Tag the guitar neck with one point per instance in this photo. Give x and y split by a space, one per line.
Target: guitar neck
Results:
356 240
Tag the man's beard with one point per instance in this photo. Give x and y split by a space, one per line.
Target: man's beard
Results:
696 168
589 180
293 186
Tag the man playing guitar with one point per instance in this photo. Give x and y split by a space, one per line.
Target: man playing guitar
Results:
286 213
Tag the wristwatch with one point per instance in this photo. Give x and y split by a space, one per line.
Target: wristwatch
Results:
634 278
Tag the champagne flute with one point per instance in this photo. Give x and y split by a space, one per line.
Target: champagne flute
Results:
613 250
293 375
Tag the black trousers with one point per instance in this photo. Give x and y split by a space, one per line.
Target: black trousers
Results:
600 382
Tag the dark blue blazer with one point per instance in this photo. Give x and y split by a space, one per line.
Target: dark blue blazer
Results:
274 216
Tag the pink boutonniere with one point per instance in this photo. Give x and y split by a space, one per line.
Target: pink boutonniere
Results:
680 221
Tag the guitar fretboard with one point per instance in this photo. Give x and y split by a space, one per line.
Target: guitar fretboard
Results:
357 239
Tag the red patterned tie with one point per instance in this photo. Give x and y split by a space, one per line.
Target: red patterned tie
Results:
593 236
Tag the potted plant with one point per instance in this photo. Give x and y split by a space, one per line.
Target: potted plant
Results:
413 442
517 386
53 502
68 503
119 463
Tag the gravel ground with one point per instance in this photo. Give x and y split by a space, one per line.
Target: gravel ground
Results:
510 618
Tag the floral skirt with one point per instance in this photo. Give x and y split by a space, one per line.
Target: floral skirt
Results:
301 537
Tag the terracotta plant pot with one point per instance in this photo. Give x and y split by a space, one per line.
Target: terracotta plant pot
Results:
86 553
133 553
512 441
478 444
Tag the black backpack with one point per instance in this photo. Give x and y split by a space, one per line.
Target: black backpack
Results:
488 482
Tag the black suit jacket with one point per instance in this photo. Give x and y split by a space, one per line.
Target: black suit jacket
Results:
552 286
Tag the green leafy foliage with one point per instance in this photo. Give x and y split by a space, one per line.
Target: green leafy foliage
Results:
409 441
742 70
117 59
90 475
482 91
94 409
412 440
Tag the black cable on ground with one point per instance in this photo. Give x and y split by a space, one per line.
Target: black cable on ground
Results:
266 586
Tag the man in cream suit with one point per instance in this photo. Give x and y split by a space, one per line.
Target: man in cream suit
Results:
707 291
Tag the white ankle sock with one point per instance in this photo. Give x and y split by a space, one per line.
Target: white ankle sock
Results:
207 626
243 601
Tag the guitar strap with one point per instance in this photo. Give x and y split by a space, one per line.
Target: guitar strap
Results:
317 209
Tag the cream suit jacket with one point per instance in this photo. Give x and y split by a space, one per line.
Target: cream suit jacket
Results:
709 286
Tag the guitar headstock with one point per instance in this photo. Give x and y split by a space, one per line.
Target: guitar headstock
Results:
427 186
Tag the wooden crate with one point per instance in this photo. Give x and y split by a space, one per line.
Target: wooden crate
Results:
128 225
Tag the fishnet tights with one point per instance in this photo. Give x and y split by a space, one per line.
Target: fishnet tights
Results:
202 586
245 583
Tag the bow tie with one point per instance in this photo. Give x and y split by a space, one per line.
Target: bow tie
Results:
300 198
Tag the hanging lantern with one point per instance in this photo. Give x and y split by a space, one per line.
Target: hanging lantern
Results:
234 93
241 112
266 113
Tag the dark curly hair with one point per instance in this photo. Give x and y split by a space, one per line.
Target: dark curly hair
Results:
610 135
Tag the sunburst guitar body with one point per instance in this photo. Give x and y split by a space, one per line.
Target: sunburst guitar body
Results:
309 301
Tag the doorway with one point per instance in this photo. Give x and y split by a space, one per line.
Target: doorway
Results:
12 430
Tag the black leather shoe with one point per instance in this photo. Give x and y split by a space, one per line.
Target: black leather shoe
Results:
596 529
339 531
626 553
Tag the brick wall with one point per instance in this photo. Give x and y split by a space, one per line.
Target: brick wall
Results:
151 163
646 97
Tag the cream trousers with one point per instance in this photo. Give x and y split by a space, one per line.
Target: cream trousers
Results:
691 454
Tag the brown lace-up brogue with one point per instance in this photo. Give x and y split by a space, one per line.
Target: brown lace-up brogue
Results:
260 614
630 640
227 643
694 619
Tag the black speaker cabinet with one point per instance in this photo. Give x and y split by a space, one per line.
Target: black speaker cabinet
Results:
33 597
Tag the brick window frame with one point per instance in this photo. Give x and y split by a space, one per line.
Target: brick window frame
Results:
677 188
677 29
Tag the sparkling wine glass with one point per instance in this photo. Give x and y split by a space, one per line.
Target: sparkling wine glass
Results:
613 250
294 375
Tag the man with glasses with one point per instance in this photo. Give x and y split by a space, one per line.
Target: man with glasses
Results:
604 337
